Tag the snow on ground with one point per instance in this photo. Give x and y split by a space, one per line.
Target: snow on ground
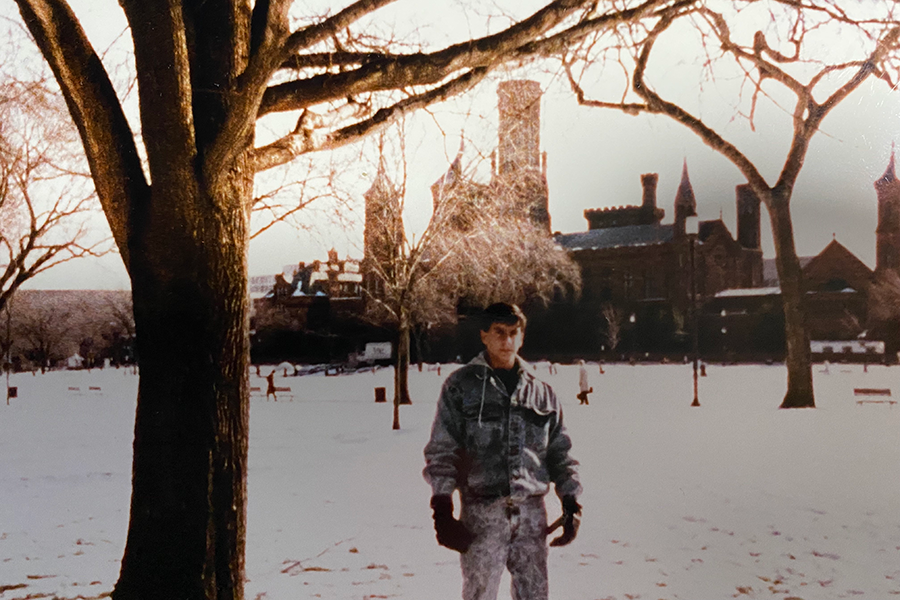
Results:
732 499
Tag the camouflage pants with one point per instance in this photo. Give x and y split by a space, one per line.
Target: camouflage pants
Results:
508 535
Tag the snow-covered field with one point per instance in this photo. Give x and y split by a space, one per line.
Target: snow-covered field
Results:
732 499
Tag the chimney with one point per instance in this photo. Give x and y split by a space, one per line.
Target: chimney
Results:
748 232
648 183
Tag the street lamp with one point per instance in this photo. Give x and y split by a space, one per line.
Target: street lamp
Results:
631 320
691 228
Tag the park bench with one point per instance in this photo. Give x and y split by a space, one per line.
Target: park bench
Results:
868 394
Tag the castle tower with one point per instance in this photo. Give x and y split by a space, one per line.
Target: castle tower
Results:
748 231
519 131
685 202
887 234
520 167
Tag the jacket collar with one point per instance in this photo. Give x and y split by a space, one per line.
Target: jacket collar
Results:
480 360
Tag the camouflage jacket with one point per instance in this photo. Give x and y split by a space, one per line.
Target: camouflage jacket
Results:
489 443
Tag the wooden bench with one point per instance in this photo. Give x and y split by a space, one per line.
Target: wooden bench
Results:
873 392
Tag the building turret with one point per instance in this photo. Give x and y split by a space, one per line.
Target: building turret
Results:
685 202
447 183
622 216
649 182
748 225
520 175
383 231
519 146
887 233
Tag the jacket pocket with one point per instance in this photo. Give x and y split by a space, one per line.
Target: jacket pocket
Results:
536 432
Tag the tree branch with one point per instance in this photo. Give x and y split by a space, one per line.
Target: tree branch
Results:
305 139
421 69
656 104
107 138
313 34
166 96
815 113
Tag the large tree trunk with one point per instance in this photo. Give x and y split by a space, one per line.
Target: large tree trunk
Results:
799 382
188 248
186 533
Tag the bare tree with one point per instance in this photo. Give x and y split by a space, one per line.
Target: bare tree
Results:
119 334
613 318
42 329
178 210
884 307
780 49
478 247
122 314
46 195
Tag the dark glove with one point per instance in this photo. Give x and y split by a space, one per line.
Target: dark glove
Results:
450 532
571 520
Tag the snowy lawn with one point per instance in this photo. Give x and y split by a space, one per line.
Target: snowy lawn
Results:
732 499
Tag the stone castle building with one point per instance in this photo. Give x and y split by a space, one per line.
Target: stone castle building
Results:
838 299
633 262
517 188
518 184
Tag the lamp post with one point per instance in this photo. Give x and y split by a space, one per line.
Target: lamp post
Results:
631 320
691 228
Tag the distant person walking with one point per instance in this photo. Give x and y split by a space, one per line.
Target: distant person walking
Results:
584 384
270 389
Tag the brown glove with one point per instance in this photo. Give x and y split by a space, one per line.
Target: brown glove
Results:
450 532
570 521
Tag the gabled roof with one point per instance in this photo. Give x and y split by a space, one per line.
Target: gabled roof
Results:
616 237
706 229
835 260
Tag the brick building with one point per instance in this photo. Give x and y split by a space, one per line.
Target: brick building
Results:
314 317
837 296
633 262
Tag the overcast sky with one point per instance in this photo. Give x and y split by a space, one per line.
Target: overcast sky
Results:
595 159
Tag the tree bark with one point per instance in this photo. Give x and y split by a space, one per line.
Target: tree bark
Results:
188 248
401 368
188 512
799 382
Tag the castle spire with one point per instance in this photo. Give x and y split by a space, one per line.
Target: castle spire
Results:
887 233
453 175
889 174
685 202
381 185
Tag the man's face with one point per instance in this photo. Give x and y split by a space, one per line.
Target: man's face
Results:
502 343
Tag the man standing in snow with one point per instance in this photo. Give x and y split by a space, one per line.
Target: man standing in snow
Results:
498 437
